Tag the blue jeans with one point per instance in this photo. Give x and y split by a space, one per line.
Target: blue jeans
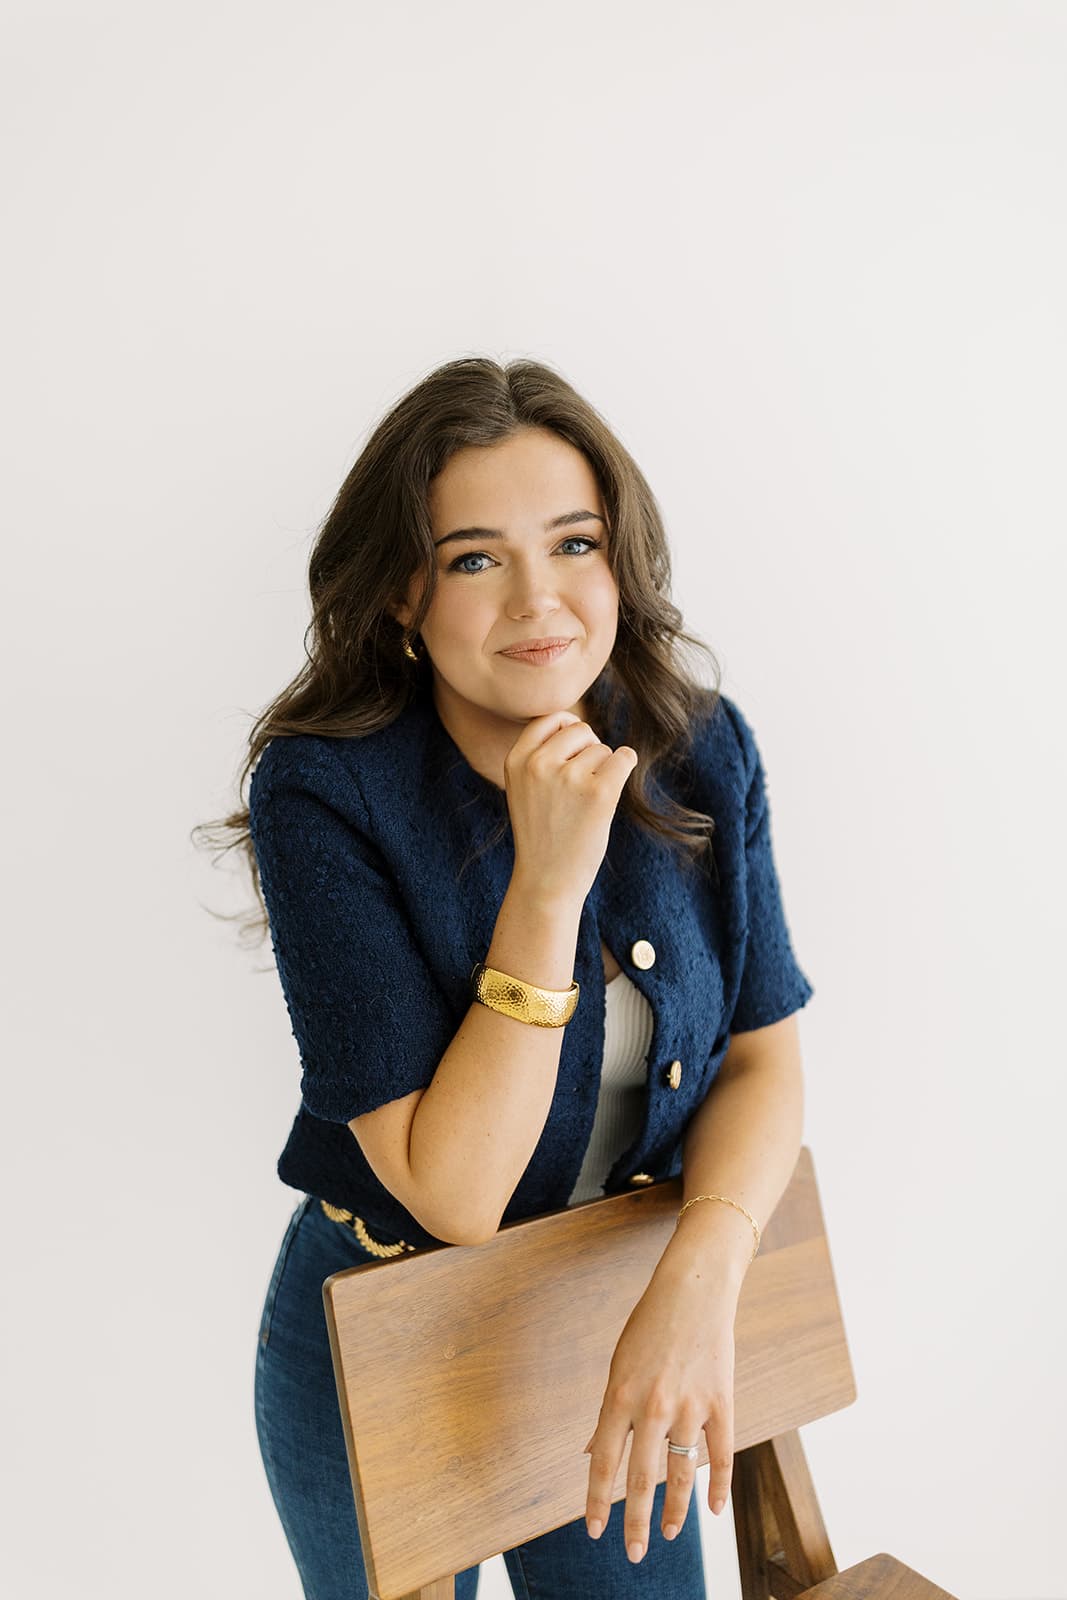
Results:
302 1443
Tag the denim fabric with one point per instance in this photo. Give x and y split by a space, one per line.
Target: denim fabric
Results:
302 1443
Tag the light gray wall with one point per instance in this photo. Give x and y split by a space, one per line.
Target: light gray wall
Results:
809 261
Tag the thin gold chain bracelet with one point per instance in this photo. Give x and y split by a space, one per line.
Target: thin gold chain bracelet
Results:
737 1206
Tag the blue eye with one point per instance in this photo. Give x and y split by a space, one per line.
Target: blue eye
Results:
472 555
475 555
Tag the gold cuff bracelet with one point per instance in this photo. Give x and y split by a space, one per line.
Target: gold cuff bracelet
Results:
544 1008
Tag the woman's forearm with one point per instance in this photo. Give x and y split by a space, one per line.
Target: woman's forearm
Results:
479 1121
742 1141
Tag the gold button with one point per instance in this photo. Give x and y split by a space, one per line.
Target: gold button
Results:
642 1177
642 954
674 1076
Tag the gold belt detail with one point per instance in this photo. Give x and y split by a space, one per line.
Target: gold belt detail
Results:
359 1228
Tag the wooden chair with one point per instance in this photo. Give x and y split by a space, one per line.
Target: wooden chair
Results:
494 1359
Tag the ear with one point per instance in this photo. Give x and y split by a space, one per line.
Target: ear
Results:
402 606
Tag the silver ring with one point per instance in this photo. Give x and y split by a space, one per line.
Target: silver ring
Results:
689 1450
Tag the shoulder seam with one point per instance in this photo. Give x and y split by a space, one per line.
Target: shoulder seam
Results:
334 761
353 778
734 713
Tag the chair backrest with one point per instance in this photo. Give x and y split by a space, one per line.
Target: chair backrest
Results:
470 1377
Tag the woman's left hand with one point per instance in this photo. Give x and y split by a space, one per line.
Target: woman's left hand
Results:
671 1375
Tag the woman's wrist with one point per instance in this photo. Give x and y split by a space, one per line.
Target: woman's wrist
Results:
535 937
553 905
711 1246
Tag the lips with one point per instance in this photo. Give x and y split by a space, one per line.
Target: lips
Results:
538 652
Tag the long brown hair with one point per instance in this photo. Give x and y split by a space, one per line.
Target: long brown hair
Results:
378 535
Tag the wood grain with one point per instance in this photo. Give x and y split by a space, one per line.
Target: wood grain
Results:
470 1378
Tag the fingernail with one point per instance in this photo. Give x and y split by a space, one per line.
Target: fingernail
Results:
634 1550
596 1528
670 1531
717 1507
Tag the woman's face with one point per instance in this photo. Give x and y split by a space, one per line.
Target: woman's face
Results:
517 578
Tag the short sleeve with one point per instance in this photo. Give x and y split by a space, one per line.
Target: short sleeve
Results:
369 1019
773 985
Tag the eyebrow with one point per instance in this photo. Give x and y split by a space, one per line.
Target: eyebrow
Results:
565 521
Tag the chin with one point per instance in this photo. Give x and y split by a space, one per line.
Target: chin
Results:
561 698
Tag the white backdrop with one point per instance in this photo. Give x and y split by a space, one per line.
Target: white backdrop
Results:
809 262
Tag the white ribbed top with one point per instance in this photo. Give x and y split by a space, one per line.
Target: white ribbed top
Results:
627 1035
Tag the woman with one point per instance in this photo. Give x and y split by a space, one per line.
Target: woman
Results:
521 892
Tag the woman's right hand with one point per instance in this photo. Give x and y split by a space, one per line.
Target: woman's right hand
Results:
562 787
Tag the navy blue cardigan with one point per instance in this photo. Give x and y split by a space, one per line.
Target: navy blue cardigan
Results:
380 903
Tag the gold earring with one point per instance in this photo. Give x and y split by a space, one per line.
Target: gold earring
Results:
408 651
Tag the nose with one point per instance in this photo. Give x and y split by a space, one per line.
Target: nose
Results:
532 592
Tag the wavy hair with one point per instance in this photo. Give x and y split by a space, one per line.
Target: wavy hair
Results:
377 536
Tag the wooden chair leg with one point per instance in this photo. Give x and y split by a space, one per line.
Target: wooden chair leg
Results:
440 1589
746 1497
782 1545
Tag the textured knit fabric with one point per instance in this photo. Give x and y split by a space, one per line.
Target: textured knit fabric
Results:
628 1023
381 900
